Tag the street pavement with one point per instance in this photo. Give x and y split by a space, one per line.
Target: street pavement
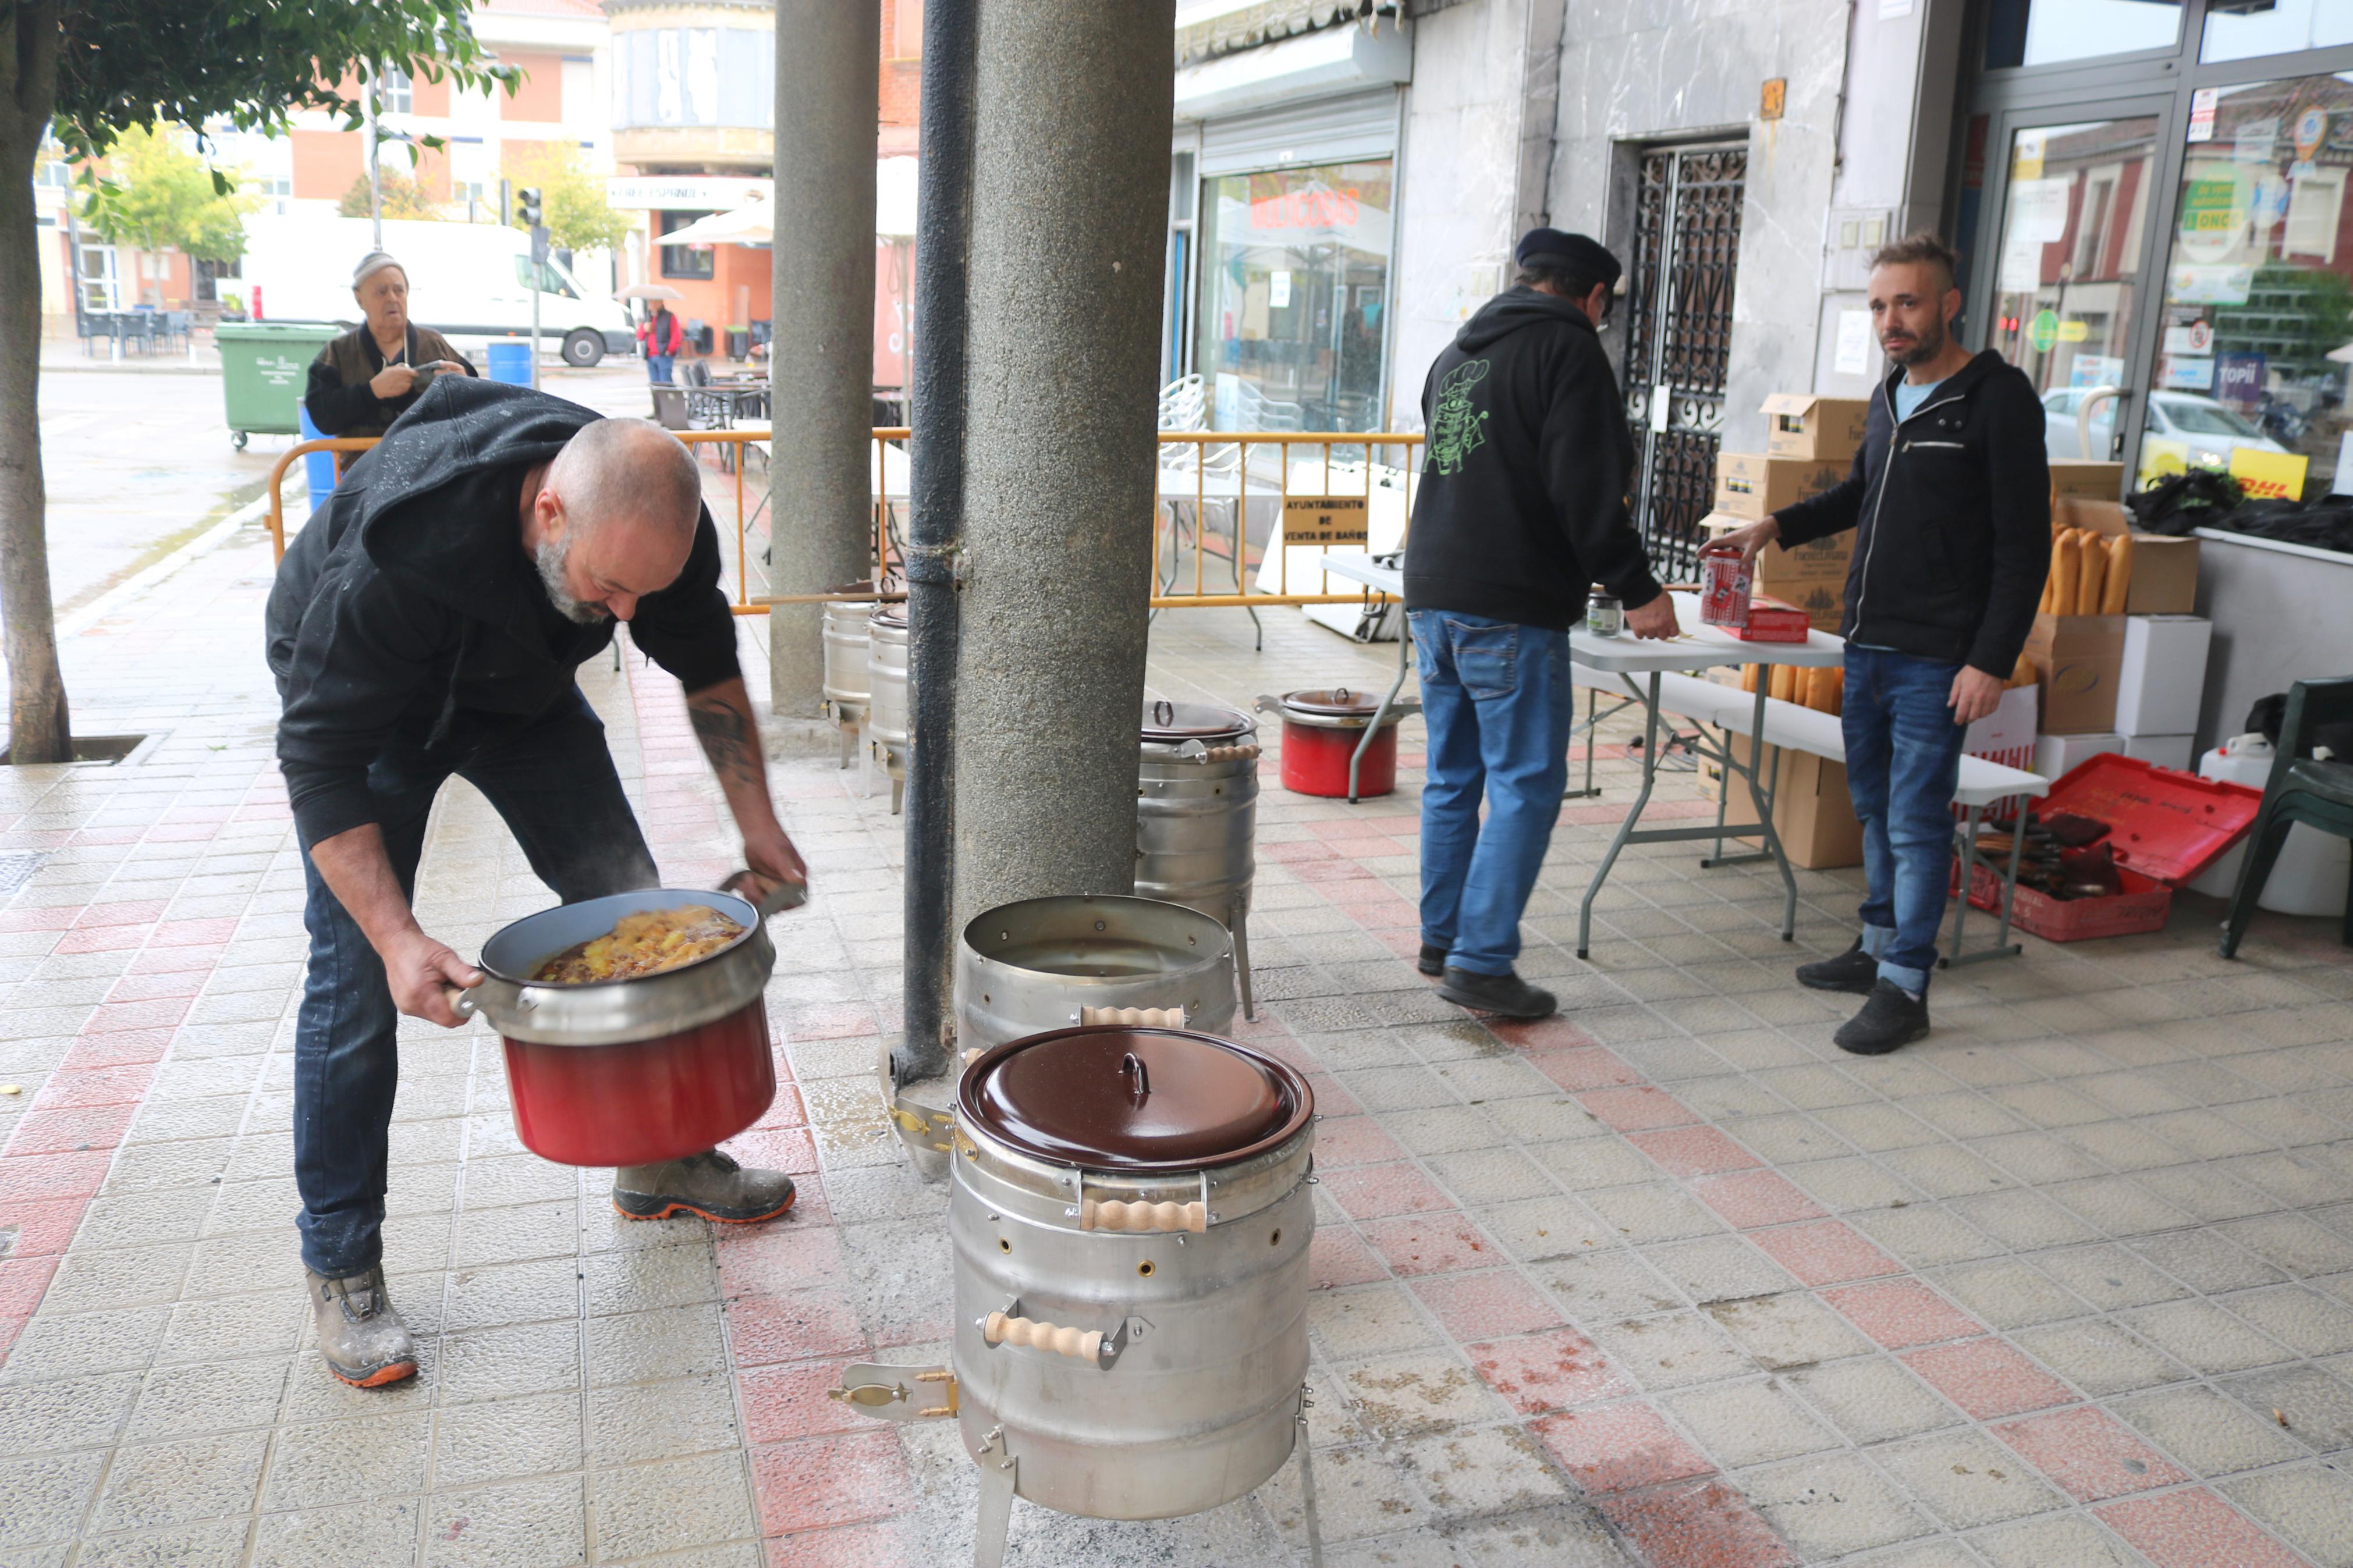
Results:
1667 1280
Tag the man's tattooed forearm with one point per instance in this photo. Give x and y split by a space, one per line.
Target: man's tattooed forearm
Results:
728 739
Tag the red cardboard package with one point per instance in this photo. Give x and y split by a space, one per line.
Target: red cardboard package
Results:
1769 622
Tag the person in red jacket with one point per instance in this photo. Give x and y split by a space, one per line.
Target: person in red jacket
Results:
662 336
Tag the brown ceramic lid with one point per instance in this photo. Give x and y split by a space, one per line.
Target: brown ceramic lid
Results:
1075 1097
1171 722
1340 702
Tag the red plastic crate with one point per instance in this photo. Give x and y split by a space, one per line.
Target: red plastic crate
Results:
2165 826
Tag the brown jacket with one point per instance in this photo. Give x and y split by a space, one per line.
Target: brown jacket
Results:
338 398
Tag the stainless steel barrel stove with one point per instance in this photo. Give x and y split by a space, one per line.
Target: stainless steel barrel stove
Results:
1196 816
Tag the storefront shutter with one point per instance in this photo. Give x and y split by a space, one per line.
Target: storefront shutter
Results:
1321 130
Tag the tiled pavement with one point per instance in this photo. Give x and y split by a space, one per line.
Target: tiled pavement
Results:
1668 1281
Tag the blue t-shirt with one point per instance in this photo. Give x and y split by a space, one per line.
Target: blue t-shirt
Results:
1909 398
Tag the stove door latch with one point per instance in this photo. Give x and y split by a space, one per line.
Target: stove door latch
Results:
889 1393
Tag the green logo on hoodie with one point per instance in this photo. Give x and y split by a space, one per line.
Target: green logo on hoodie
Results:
1454 423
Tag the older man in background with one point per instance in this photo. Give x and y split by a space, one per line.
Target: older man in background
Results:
428 623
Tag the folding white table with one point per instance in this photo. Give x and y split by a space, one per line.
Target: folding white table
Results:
1389 580
1627 657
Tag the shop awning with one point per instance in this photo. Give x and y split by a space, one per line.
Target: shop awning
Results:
1313 65
754 223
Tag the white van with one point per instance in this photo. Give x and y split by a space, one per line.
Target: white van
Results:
465 280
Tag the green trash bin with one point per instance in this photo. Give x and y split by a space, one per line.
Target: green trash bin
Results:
265 365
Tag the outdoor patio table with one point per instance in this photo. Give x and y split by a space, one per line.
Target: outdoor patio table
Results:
1699 647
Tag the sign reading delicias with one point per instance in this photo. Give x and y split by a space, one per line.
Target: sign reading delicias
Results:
1326 519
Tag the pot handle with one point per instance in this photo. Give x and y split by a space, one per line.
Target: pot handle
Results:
1078 1344
1111 1214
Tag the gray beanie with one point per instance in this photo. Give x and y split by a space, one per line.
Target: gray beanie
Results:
373 262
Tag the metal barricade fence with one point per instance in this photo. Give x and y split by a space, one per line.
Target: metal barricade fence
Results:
1320 490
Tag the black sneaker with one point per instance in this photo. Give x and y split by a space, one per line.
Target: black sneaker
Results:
1432 960
1505 996
1891 1017
1852 971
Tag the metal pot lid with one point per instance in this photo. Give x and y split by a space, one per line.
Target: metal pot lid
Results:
1115 1098
890 615
1339 702
1171 722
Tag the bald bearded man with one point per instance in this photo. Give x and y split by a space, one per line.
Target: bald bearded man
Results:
430 622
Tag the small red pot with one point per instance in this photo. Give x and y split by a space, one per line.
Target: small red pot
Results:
1321 730
630 1072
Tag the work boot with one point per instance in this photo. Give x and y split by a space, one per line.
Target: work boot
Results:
1506 996
362 1338
1432 960
709 1185
1891 1017
1852 971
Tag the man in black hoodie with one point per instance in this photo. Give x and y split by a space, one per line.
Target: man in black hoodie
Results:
1950 499
1520 509
428 622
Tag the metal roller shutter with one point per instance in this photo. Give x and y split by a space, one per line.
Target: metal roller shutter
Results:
1321 130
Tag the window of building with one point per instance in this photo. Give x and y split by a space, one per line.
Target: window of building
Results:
2242 29
2258 327
396 93
1295 295
685 260
2050 32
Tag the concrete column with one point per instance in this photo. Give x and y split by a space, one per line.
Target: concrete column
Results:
822 360
1069 217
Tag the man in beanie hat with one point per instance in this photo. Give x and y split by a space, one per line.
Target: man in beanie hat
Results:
1520 509
371 376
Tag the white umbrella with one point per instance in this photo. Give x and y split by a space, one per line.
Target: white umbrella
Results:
749 224
754 223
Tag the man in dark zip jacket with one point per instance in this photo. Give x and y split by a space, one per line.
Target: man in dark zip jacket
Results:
1520 509
1950 496
428 622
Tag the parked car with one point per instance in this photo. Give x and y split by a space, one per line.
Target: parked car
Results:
2212 430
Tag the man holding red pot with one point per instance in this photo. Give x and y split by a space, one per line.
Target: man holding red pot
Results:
428 622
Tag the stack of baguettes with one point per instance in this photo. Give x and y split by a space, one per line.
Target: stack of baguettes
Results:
2090 574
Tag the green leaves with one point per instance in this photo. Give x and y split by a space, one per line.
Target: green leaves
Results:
253 62
160 196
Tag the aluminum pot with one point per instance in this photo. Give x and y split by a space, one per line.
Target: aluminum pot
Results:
1321 730
1196 816
846 641
1130 1215
629 1072
1048 964
886 676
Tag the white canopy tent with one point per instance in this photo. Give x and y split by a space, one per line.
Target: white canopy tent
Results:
754 223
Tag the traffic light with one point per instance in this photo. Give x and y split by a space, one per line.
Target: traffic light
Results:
527 206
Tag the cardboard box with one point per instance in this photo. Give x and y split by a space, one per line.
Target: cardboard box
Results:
2092 481
2162 750
1775 623
2162 678
1753 486
2164 570
1811 577
2078 659
2056 756
1803 424
2006 736
1812 809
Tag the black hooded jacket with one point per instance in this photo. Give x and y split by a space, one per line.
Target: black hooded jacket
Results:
1520 504
1952 509
406 614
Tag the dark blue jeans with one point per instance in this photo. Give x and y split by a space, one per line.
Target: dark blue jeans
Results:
1903 761
658 369
1498 702
554 784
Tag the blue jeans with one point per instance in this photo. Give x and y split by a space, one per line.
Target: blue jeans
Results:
658 369
1903 761
1498 703
554 784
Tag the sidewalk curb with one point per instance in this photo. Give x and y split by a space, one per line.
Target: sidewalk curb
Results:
150 576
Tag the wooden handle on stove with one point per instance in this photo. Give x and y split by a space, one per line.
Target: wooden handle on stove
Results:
1134 1017
1110 1213
1080 1344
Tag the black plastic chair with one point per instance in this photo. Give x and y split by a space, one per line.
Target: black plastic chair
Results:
2300 790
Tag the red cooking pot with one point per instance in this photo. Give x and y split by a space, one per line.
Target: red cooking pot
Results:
630 1072
1321 731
